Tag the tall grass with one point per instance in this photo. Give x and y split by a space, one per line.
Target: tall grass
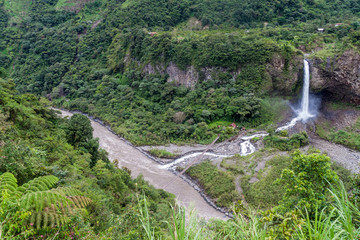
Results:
322 227
145 219
339 220
339 223
241 227
183 228
348 213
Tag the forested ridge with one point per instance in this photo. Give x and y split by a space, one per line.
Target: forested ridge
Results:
165 71
95 57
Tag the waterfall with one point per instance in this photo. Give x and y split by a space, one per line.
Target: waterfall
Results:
246 147
303 113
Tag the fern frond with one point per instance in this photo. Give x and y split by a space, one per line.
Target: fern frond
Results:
52 219
80 201
67 191
49 206
74 195
8 182
38 219
39 200
38 184
57 219
47 219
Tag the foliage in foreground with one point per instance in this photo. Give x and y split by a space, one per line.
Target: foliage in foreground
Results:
339 220
36 204
34 150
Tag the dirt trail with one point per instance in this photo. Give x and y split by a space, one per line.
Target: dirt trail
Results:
138 163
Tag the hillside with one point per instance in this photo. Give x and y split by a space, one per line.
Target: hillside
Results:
86 55
165 79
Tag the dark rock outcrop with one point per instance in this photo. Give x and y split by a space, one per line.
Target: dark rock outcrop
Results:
339 77
285 77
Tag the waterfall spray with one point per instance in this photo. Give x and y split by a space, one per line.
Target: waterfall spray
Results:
303 113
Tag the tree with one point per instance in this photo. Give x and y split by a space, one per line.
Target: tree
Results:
306 181
79 130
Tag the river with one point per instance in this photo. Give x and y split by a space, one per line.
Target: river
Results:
138 163
160 176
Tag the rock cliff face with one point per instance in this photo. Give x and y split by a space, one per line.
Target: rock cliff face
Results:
338 77
284 79
279 77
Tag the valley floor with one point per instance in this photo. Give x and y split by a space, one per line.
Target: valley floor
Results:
131 158
138 163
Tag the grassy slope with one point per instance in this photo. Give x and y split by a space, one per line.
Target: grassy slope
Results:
218 184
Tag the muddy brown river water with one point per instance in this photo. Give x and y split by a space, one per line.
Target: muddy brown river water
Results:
138 163
160 176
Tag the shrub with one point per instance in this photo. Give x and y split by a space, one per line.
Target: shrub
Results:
161 153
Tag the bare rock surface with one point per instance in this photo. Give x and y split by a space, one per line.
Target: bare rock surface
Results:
339 76
276 79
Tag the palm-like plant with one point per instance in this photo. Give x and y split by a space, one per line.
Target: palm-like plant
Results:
47 206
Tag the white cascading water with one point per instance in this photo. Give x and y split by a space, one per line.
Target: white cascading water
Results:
304 113
186 157
246 147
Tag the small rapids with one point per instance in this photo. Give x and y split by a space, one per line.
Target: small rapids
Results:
189 156
246 147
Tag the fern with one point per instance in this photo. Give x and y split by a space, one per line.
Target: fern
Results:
66 191
39 200
54 205
48 219
7 183
49 207
38 184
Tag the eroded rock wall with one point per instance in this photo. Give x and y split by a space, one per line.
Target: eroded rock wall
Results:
339 77
280 76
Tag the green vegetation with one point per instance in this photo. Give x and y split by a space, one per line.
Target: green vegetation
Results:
36 204
305 180
266 193
41 172
350 136
167 72
339 220
286 143
218 184
101 59
161 153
